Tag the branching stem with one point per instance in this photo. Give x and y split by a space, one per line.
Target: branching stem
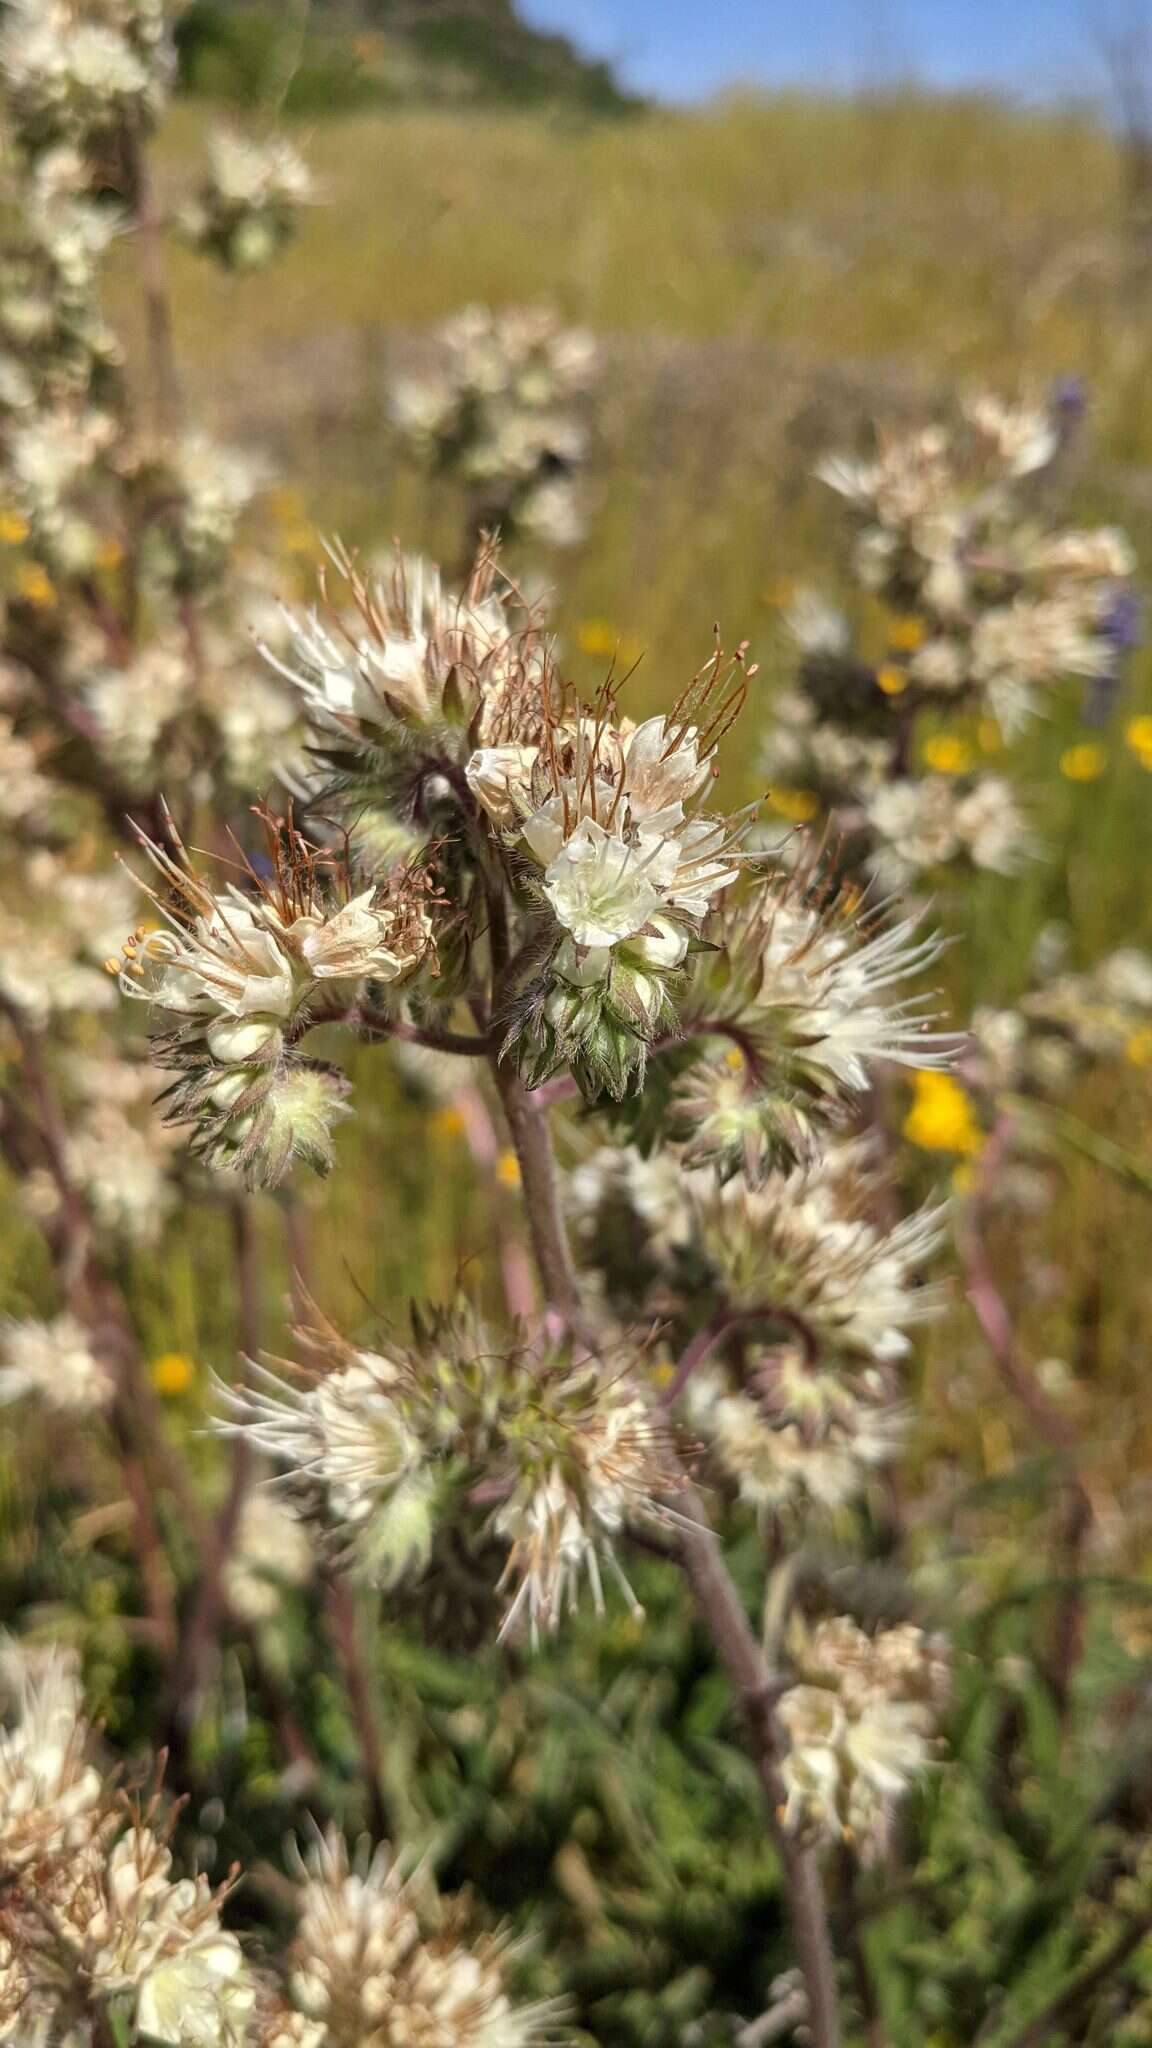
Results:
718 1603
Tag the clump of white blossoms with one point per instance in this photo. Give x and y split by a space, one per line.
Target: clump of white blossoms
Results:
789 1456
808 1243
51 1795
248 204
861 1728
501 406
983 612
91 1918
73 71
273 1554
383 658
809 987
604 821
53 1363
363 1970
54 340
923 822
241 976
545 1458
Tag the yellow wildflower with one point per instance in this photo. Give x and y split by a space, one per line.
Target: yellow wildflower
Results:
13 528
799 806
596 636
734 1058
600 637
172 1373
448 1122
906 634
1138 733
892 680
285 504
508 1170
1084 762
941 1119
1138 1048
35 586
947 755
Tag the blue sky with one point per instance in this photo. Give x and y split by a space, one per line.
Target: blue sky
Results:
681 49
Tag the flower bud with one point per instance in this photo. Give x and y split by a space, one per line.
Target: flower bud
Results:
663 945
239 1041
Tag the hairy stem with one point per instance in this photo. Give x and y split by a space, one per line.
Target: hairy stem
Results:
210 1604
718 1603
345 1625
532 1142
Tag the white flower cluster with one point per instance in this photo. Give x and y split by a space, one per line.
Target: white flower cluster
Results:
628 866
501 409
780 1467
90 1900
53 1363
248 205
566 1456
860 1728
145 709
57 926
1065 1023
94 1923
807 1241
47 455
360 1969
73 68
116 1149
53 339
243 974
388 656
804 995
1005 610
985 612
923 822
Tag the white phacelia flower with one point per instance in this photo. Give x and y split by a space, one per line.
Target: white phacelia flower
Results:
501 407
244 974
803 997
805 1242
69 72
53 1363
861 1728
272 1553
361 1965
608 815
1033 641
391 649
51 1795
780 1466
925 822
247 207
386 1447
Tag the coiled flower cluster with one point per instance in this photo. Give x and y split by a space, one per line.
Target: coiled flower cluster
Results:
860 1728
500 407
547 1458
247 207
242 975
984 610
